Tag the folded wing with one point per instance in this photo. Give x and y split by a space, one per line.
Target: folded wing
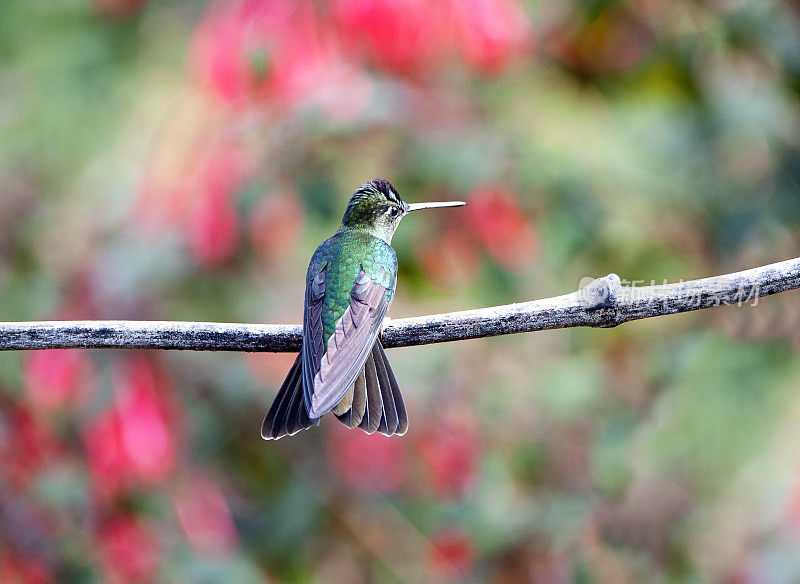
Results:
329 376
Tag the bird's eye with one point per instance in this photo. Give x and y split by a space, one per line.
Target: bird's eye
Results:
394 211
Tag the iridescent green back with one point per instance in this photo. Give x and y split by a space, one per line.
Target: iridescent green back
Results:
343 256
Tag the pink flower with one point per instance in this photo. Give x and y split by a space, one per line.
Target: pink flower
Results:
449 451
23 569
146 427
132 443
197 195
213 229
491 33
213 220
408 37
370 463
56 378
451 553
309 71
205 517
509 237
108 462
128 552
26 445
400 36
252 52
232 48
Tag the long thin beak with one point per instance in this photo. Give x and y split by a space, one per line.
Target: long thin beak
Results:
418 206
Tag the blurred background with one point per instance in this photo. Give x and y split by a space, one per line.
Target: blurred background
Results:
181 160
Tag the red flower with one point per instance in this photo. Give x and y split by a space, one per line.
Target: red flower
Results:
451 553
449 257
197 193
450 452
108 462
232 48
254 51
309 71
213 228
23 569
146 421
128 551
26 445
205 517
509 237
371 463
56 378
132 443
417 36
401 36
491 33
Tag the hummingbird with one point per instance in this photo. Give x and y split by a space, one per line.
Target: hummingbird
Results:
350 283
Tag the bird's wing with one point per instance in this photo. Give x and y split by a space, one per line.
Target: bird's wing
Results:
313 335
328 376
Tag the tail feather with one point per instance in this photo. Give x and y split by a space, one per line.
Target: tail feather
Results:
353 416
372 415
382 427
346 418
275 419
389 422
297 418
288 415
399 406
377 404
359 407
380 397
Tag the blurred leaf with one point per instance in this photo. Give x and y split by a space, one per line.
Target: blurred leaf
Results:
570 388
715 417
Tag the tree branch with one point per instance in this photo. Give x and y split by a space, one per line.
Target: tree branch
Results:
603 303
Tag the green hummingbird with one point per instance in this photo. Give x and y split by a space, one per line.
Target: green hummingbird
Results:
342 367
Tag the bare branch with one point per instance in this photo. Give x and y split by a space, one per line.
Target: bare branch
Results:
603 303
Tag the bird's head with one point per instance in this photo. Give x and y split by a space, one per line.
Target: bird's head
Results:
376 207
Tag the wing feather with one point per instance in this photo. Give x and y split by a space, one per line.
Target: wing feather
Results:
313 335
348 347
